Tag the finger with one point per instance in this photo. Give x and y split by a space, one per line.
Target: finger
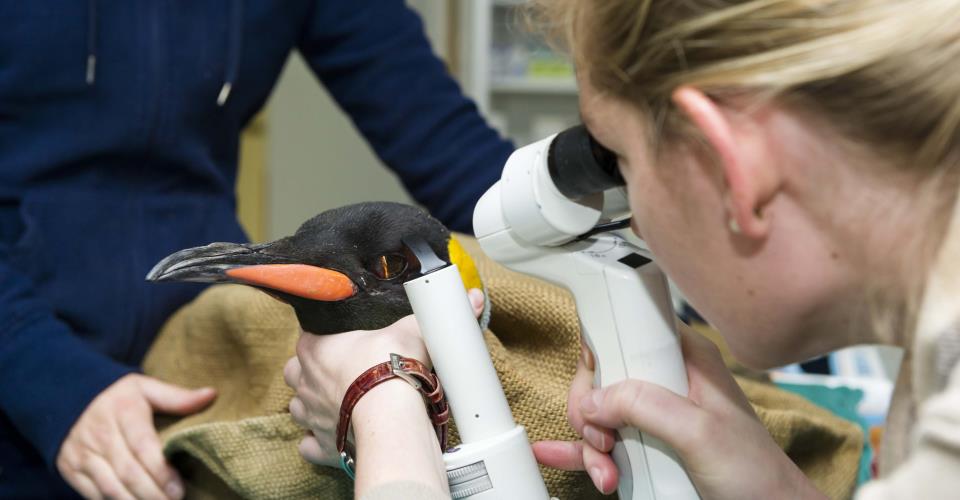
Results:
601 439
132 474
476 301
129 470
291 372
298 411
601 469
84 486
108 485
175 400
581 385
311 451
68 464
645 406
586 355
574 456
144 443
565 455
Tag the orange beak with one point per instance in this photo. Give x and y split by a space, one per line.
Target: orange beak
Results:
301 280
248 264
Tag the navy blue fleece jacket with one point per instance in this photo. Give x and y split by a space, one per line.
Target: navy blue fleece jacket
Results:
119 128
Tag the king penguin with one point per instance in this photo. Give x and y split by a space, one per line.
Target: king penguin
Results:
342 270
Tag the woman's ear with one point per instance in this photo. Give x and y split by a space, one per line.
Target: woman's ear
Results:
741 146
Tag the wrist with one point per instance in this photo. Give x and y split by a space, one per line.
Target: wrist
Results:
395 439
399 416
394 399
795 484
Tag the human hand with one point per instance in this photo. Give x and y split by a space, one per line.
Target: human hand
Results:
714 430
326 365
113 450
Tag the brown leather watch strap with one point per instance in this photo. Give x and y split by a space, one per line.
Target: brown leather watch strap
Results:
414 373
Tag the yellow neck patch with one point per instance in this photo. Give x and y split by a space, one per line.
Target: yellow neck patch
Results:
468 270
470 276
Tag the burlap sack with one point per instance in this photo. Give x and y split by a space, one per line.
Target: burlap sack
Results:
237 339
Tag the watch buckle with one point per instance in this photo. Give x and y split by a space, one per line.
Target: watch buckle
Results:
397 370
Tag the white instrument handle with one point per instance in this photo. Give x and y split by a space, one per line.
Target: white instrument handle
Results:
494 460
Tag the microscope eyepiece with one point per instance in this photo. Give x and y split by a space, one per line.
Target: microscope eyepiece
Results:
580 166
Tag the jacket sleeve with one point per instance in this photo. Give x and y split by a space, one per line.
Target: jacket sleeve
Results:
48 375
376 61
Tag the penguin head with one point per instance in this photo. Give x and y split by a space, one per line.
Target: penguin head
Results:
342 270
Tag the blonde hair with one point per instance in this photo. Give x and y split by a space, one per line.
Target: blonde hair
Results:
884 73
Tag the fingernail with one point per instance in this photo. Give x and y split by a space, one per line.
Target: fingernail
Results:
587 357
174 490
590 402
476 297
593 436
597 479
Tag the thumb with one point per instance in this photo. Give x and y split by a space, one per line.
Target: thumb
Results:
648 407
175 400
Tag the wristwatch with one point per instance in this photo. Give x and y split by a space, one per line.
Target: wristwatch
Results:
412 372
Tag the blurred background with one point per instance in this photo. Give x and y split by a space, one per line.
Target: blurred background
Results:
302 155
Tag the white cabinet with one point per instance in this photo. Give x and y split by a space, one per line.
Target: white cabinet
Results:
523 87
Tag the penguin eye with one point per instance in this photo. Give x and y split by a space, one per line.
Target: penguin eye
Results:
388 267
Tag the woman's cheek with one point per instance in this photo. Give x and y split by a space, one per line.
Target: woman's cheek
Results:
635 228
637 212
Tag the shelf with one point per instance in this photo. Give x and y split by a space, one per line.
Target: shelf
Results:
562 86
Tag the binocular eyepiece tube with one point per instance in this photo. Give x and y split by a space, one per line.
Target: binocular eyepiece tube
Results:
579 166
